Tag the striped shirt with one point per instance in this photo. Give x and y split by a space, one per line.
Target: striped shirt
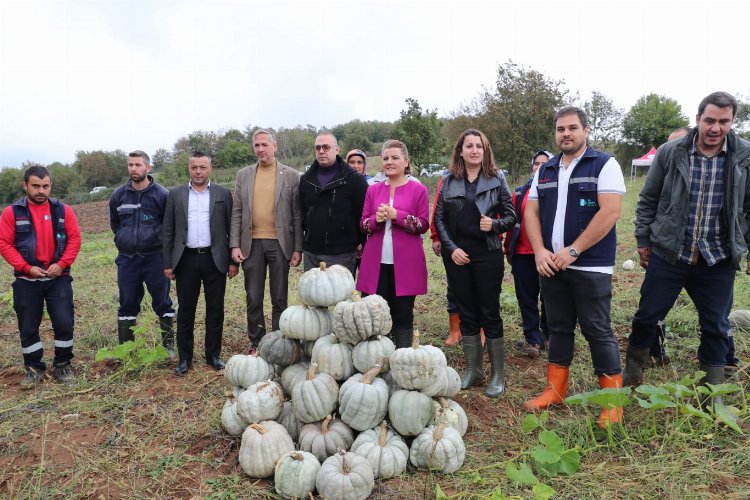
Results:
706 233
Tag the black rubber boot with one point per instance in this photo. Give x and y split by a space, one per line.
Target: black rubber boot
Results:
496 385
124 331
402 337
635 361
473 351
166 324
714 376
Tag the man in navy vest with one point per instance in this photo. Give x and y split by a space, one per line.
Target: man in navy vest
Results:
693 228
40 239
573 205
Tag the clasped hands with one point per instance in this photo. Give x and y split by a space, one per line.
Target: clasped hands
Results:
460 257
385 212
548 263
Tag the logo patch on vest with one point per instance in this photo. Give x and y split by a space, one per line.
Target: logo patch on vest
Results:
588 203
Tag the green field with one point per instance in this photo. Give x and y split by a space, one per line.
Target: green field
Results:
150 434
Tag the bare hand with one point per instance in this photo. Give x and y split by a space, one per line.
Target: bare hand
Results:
485 224
748 268
169 273
296 259
37 272
436 246
358 251
237 255
54 270
645 253
563 259
545 264
460 257
234 269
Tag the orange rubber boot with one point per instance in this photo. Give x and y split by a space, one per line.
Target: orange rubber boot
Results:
611 415
557 388
454 337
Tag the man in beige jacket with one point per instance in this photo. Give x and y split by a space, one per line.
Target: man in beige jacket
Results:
266 231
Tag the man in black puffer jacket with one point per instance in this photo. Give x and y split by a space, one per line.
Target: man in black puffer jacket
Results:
332 195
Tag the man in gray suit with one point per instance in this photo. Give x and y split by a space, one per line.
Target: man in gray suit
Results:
196 250
266 231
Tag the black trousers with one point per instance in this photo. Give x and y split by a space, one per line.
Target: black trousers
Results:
196 268
402 308
476 289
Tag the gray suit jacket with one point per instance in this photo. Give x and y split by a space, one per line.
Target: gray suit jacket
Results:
287 213
176 225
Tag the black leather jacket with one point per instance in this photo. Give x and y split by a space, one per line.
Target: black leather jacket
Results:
493 199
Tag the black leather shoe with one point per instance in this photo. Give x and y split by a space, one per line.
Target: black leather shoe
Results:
215 363
182 368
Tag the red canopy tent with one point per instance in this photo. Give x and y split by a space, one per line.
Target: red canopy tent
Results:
643 161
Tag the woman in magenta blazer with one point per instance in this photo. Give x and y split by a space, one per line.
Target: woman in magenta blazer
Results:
395 214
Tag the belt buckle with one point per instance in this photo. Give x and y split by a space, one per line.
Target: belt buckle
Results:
203 250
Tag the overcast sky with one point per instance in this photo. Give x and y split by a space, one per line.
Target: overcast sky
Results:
109 74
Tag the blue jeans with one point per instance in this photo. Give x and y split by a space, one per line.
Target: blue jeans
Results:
28 301
526 280
711 289
585 297
132 273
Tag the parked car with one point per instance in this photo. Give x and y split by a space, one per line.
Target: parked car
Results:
97 189
431 170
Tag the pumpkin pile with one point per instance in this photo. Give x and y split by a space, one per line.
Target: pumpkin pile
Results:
323 363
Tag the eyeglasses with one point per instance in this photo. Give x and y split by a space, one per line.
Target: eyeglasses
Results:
322 147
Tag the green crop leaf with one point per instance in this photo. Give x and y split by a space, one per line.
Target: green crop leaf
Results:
498 495
521 474
659 402
652 390
678 390
690 410
570 461
544 417
609 397
689 381
644 403
725 415
530 423
439 495
542 491
578 399
723 389
551 441
543 455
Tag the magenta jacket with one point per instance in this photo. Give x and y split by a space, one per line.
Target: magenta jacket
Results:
412 203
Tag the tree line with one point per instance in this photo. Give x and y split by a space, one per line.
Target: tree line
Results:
516 114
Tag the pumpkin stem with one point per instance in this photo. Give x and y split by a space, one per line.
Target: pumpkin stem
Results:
371 374
443 401
345 467
438 435
322 266
415 340
311 371
324 425
355 296
383 433
258 428
297 456
262 386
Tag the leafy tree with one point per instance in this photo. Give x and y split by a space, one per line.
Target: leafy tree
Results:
651 119
605 121
200 140
65 180
11 180
742 119
421 131
234 154
517 114
296 145
161 158
101 168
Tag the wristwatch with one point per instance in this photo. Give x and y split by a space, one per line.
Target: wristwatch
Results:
573 252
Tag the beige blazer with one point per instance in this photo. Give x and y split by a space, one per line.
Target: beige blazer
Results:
287 212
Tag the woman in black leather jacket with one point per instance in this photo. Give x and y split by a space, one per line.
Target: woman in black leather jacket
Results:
474 209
